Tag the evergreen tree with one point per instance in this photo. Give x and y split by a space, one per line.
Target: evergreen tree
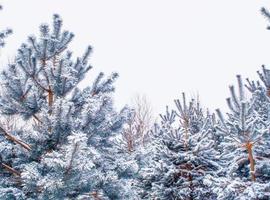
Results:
245 153
245 144
183 153
66 152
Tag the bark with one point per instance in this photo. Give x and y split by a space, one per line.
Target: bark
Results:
50 97
186 123
251 161
268 92
95 195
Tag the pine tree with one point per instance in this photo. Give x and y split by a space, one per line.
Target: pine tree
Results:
183 153
245 153
245 144
65 151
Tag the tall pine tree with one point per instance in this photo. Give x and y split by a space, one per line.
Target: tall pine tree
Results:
65 153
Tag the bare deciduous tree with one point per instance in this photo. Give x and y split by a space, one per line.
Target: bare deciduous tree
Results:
136 132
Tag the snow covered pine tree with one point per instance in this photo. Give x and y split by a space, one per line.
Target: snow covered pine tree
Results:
245 153
246 141
183 152
65 153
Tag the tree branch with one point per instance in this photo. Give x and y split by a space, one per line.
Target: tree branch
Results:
15 140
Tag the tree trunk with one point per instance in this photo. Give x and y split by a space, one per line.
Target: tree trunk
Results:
251 161
186 123
50 97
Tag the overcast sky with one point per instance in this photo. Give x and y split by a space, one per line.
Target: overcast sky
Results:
159 47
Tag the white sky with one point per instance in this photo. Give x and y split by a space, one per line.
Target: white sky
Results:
159 47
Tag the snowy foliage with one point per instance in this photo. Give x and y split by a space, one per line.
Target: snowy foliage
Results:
184 152
245 153
68 151
73 144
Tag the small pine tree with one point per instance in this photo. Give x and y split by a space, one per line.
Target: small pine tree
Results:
183 154
245 154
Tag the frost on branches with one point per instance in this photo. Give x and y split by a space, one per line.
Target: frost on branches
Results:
65 152
75 145
245 154
183 153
